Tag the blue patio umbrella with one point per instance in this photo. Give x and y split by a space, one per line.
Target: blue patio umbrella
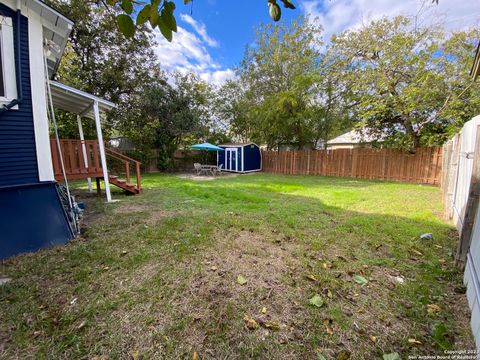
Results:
207 146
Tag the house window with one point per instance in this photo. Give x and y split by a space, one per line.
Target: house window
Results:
8 82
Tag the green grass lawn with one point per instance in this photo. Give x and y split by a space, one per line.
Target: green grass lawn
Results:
156 275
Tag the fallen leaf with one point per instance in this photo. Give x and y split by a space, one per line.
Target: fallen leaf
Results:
316 300
82 325
360 280
241 280
251 323
264 310
433 308
344 355
373 338
328 326
135 355
414 342
271 325
195 356
392 356
311 277
329 293
417 252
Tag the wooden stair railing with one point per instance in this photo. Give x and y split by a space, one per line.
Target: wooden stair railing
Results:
125 184
73 154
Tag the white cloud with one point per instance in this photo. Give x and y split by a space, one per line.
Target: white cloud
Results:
188 52
200 28
218 77
338 15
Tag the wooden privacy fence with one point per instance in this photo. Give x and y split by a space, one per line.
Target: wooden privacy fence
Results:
425 166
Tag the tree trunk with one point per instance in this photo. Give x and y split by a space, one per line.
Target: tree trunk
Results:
413 136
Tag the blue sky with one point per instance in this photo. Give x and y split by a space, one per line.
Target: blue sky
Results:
213 34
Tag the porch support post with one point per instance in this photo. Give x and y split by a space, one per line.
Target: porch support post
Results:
84 149
101 147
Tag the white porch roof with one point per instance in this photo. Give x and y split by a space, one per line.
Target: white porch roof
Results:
77 101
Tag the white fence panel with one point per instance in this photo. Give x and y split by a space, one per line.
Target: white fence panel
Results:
460 163
466 142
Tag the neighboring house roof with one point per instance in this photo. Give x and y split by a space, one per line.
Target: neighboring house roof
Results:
352 137
476 64
56 31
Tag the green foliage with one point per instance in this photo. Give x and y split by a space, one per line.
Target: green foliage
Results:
279 97
407 83
165 117
316 300
99 60
160 13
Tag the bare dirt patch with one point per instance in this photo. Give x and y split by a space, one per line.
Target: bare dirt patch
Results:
152 214
221 306
129 207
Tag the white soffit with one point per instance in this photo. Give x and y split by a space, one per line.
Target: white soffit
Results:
76 101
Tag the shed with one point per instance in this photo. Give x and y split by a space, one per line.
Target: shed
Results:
242 158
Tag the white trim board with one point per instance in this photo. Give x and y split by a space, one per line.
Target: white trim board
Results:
39 102
8 60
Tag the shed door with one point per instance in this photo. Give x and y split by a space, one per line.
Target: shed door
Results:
231 159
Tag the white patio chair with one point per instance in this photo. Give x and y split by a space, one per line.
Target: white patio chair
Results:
198 168
219 169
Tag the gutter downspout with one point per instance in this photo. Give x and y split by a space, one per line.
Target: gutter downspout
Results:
19 99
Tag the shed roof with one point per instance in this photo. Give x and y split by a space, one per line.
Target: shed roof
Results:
237 144
77 101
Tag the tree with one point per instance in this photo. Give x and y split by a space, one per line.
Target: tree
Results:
461 100
404 79
279 80
160 13
101 61
166 116
232 109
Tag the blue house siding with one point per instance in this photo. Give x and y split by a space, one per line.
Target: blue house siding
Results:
31 213
18 158
31 218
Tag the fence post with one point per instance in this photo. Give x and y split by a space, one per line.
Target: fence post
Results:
308 162
470 208
452 193
354 162
384 164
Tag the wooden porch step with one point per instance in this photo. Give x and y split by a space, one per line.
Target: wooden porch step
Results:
122 184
